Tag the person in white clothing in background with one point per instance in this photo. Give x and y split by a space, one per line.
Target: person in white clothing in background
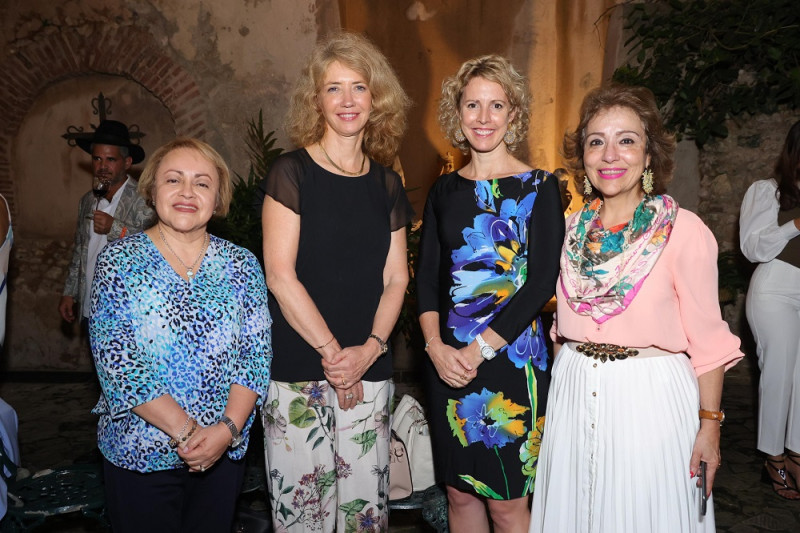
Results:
770 224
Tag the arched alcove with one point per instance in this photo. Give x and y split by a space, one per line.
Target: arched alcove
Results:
48 84
128 52
50 176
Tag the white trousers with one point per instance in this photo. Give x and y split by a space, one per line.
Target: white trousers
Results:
773 311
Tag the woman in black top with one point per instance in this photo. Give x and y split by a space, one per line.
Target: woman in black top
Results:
334 222
491 236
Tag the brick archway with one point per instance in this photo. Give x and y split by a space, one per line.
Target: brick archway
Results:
127 51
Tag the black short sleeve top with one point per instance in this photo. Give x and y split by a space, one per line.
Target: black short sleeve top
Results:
345 232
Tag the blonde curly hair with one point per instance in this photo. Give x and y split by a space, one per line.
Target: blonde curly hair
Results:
305 123
492 68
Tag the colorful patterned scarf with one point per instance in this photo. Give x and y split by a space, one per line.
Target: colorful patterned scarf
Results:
602 270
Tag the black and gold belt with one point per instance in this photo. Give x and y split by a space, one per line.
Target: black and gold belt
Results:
605 352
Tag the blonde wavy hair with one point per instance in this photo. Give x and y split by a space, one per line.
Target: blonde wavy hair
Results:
147 181
492 68
305 123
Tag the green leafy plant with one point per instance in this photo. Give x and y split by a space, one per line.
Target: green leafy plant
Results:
242 226
707 61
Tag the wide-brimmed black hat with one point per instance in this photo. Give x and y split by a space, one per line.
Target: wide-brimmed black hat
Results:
114 133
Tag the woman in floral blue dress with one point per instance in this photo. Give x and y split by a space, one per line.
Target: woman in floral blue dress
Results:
491 236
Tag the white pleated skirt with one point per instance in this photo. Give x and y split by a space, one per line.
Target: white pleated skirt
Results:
616 448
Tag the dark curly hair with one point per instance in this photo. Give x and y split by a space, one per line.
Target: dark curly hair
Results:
660 144
787 170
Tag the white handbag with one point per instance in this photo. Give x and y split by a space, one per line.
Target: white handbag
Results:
411 426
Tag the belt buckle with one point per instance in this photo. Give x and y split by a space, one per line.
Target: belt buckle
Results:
605 351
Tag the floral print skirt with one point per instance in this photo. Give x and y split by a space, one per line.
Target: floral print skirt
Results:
327 469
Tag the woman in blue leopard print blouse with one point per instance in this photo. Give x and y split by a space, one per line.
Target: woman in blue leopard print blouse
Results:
180 334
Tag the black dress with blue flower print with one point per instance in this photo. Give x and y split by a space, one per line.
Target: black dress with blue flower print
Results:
489 257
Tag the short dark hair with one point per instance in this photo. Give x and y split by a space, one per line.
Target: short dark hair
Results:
660 144
124 151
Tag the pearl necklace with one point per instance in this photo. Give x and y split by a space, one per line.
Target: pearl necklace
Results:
189 269
340 169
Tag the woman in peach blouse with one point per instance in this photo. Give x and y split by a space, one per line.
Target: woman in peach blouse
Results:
634 403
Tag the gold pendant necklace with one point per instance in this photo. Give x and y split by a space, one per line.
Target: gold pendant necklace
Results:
189 269
340 169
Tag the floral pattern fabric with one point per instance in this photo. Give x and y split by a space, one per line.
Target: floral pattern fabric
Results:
153 333
486 436
327 469
602 269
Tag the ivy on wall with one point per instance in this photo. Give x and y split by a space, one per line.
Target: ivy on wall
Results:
707 61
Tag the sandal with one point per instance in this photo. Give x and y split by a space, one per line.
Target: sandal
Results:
794 458
778 480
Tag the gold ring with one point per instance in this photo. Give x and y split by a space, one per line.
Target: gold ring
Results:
344 383
464 377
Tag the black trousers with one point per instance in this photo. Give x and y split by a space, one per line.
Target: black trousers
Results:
173 501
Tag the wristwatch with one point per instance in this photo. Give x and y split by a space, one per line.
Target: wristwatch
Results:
487 352
236 436
719 416
381 342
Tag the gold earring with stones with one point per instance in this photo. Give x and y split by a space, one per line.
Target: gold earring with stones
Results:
647 181
587 186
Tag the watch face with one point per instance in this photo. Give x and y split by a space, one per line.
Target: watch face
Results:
487 352
237 441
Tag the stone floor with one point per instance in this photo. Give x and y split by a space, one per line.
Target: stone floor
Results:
57 428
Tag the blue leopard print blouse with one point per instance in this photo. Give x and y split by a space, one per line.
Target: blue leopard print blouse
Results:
153 333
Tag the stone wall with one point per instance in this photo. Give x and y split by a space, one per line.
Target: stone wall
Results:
174 67
729 166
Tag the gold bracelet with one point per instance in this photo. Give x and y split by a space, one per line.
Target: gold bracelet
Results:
719 416
327 343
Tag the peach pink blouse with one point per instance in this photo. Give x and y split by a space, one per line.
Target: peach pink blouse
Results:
677 308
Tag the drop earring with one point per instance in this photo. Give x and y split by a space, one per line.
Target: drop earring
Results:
647 181
587 186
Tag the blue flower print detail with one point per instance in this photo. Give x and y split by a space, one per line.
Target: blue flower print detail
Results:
492 266
530 346
487 418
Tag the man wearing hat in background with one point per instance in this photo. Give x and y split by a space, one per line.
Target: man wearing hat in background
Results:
120 212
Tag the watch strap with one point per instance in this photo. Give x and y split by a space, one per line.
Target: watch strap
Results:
487 352
236 435
719 416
